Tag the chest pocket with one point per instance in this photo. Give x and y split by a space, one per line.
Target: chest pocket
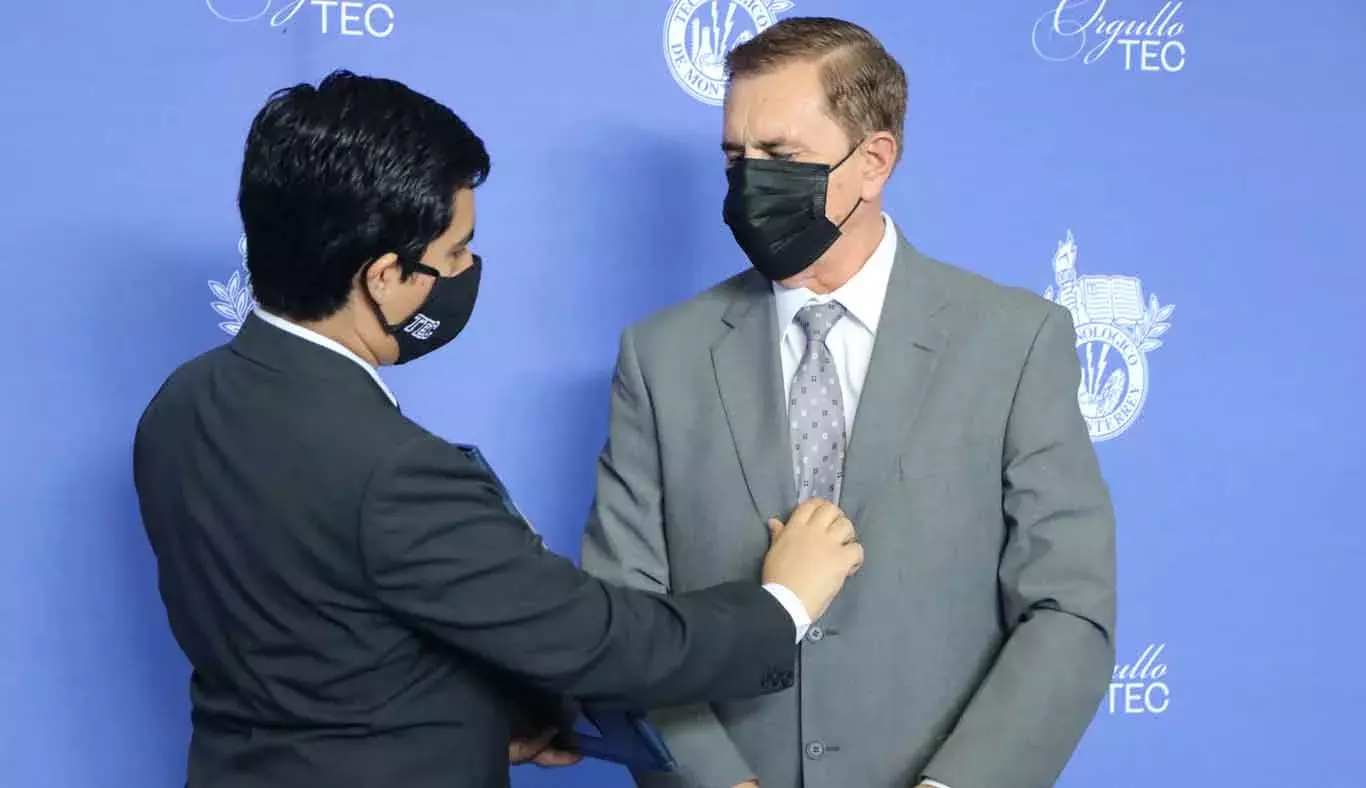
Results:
955 486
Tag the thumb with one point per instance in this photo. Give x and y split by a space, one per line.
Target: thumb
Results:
775 529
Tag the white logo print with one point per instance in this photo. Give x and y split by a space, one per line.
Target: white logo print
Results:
422 327
1072 27
1116 330
234 300
335 17
1138 687
698 34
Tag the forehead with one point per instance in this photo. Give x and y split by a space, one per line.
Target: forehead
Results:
462 207
788 102
462 219
462 211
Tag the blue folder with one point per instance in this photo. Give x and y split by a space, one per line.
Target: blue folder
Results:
621 736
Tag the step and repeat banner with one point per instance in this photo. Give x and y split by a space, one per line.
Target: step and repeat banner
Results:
1185 177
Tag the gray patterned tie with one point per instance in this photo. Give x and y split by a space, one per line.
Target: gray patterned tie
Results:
816 408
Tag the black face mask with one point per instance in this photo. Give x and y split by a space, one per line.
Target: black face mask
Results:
441 316
776 211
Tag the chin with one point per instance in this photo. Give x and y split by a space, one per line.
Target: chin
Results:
795 282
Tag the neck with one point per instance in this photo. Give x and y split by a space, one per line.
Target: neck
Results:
859 240
341 328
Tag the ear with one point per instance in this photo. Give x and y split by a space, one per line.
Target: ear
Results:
382 276
878 160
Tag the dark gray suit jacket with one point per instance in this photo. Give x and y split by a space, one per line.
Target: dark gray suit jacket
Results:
977 641
359 607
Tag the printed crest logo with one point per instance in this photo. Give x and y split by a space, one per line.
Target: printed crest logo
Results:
1139 687
234 300
421 326
1116 330
335 17
698 34
1075 28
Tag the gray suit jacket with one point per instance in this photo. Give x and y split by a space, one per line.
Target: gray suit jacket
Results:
977 641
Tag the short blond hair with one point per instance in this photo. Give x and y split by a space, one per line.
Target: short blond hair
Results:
865 88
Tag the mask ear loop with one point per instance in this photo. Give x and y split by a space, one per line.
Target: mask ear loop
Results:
417 267
857 202
841 162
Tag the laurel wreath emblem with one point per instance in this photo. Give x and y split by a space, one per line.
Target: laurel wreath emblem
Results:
234 299
1152 325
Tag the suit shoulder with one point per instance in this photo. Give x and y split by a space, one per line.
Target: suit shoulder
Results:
983 295
691 317
182 381
421 457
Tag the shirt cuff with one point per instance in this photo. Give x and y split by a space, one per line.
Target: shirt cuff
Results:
933 784
794 607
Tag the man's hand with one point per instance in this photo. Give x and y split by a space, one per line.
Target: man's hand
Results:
537 750
748 784
813 554
552 758
524 750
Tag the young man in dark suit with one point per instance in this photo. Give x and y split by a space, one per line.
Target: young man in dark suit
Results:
359 608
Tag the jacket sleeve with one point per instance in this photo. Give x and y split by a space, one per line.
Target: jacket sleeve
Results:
1057 581
445 556
624 543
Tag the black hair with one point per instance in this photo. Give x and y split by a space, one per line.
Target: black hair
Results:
336 176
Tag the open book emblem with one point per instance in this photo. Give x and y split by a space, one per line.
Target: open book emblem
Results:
1116 329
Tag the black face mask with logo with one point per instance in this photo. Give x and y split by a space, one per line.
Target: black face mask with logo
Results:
776 211
441 316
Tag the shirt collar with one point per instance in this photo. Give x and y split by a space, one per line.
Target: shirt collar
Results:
327 342
862 295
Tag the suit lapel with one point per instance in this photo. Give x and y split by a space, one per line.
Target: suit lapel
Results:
749 378
909 340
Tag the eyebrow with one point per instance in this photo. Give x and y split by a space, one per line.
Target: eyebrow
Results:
767 146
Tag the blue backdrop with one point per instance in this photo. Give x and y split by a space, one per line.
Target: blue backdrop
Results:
1187 176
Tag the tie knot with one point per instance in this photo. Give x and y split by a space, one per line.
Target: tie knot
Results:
817 319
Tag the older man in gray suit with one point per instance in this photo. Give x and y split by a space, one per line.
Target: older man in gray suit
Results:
939 408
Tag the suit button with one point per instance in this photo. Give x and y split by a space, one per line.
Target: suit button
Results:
815 750
815 634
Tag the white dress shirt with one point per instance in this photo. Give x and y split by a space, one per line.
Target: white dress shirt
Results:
331 344
794 607
851 339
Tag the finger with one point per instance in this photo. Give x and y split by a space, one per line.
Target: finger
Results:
854 552
843 530
803 511
535 746
557 758
775 529
825 515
